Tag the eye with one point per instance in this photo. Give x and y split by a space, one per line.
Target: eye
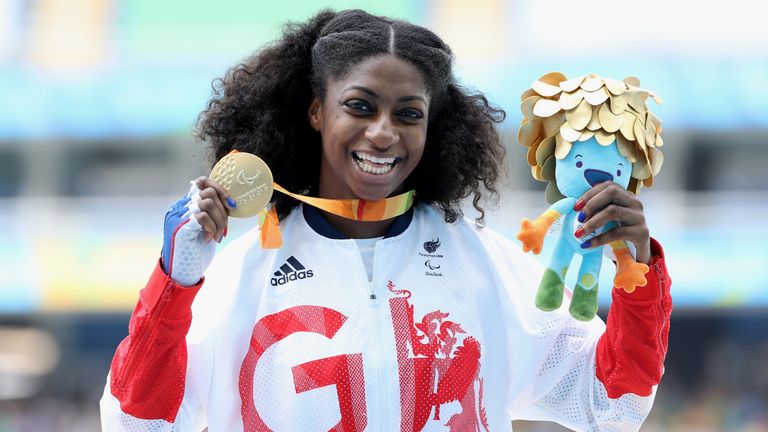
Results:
410 115
579 164
359 105
618 173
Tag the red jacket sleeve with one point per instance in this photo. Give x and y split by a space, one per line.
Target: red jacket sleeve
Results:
149 368
630 354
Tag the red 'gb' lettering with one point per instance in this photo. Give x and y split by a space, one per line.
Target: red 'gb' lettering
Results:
345 371
341 370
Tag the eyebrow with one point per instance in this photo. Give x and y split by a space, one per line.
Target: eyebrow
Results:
373 94
621 164
578 155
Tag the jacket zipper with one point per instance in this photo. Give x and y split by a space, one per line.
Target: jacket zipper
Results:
381 393
660 306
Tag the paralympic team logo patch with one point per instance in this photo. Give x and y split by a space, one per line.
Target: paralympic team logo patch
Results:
432 263
432 245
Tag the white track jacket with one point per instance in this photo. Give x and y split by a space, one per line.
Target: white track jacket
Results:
445 338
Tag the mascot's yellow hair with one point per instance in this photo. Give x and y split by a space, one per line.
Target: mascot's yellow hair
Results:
558 112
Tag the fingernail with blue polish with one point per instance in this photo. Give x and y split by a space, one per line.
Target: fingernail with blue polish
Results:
586 245
582 216
231 202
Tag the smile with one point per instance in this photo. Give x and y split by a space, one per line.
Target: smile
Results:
374 165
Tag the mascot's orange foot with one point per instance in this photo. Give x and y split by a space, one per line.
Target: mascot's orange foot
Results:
632 274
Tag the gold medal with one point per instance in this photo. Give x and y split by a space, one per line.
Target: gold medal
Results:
248 181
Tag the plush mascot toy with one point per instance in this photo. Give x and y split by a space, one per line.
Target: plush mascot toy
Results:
581 132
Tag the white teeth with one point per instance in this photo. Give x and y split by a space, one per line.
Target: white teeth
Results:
366 163
375 159
365 166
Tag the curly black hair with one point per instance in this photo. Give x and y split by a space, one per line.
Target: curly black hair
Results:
261 107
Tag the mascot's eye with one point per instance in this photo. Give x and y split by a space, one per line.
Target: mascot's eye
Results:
579 164
618 173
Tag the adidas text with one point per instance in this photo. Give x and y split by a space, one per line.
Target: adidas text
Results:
291 270
284 279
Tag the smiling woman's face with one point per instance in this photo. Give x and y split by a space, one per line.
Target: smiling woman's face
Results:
373 124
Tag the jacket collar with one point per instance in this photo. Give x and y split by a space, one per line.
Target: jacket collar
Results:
321 226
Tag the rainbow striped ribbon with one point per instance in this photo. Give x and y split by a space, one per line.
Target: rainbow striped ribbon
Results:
355 209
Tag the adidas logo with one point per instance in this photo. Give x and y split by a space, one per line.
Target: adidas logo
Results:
290 271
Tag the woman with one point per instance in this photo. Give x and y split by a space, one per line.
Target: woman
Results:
423 321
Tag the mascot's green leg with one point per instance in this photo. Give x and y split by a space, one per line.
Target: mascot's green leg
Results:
584 302
550 293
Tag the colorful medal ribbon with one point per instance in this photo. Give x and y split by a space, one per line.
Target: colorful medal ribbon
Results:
355 209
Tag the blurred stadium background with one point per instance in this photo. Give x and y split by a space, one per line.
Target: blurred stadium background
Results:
98 97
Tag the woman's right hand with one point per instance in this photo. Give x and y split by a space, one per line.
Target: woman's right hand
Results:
190 226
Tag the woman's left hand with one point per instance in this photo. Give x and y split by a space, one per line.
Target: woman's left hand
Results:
608 202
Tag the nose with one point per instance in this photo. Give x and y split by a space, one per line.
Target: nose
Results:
382 133
594 176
